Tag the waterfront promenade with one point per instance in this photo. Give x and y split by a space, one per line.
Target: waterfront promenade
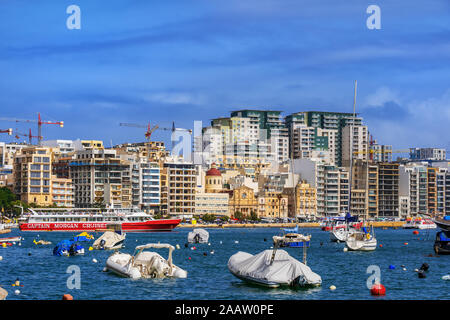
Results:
376 224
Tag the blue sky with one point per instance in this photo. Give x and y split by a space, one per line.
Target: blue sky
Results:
185 60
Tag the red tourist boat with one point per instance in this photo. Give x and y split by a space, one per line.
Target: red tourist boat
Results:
94 220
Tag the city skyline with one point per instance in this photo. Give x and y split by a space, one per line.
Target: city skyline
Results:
158 63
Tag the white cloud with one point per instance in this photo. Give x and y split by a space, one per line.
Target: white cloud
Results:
176 98
381 96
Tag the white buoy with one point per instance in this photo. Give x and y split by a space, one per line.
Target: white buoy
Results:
17 292
220 242
94 260
416 270
446 277
105 269
20 244
236 241
177 246
332 287
404 269
1 258
209 244
345 249
212 252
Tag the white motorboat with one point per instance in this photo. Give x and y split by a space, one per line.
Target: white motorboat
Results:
198 236
272 268
110 240
361 241
145 264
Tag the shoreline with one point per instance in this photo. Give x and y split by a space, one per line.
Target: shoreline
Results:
376 224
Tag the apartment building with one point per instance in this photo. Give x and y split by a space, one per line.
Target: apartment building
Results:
32 175
418 154
324 120
388 189
62 192
302 202
355 142
178 183
272 205
413 185
331 183
100 178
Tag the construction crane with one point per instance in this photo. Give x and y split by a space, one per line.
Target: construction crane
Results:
29 135
38 121
8 131
150 130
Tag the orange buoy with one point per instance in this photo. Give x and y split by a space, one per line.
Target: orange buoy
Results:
378 290
415 232
381 246
67 297
406 243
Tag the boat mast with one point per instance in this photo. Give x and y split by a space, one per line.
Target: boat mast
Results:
351 150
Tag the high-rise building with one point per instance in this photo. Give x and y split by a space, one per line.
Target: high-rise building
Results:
100 178
324 120
388 189
32 175
354 140
427 154
178 183
331 183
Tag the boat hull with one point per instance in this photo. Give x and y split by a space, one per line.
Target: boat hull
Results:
147 226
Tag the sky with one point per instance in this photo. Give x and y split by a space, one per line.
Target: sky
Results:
141 61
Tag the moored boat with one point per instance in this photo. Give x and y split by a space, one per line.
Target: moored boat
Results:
361 240
272 268
11 239
145 264
443 223
93 220
419 223
442 242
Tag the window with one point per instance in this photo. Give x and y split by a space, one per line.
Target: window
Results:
35 182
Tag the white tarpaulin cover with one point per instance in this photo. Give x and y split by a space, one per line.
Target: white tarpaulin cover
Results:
283 270
198 236
108 240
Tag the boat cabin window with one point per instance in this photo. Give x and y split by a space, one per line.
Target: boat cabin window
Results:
76 219
61 219
100 219
52 219
45 219
68 219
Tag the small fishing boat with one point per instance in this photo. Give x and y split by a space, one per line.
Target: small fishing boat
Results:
361 240
198 236
442 242
292 238
11 239
145 264
272 268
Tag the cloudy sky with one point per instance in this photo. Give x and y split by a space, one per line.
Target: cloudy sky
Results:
183 60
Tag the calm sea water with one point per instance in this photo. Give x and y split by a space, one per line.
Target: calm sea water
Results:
45 276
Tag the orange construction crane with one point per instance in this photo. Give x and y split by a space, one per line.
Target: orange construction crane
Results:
29 135
39 122
150 130
8 131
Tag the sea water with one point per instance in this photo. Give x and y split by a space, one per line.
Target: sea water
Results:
47 277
